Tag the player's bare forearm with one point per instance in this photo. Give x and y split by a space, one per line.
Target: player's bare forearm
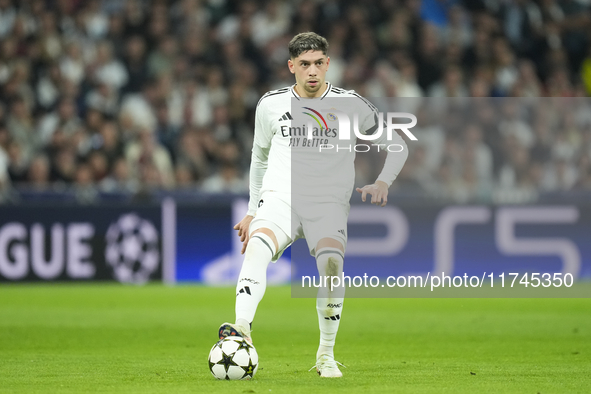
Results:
378 192
242 228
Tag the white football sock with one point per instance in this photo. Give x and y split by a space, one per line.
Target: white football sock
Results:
252 280
329 302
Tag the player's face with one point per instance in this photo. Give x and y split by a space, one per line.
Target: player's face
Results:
310 70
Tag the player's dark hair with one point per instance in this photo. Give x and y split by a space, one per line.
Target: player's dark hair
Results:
308 41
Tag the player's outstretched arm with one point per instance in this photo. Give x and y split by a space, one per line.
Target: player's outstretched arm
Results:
378 192
394 159
258 168
242 228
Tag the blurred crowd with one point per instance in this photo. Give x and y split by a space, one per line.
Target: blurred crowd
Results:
129 96
496 150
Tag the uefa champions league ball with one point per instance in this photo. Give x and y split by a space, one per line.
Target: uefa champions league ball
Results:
232 358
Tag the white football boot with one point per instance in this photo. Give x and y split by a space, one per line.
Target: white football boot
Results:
234 330
327 367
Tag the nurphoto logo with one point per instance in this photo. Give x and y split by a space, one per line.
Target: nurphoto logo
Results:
344 129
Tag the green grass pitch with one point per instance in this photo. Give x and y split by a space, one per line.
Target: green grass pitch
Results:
61 338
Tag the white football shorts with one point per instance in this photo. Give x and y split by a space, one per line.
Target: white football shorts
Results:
310 220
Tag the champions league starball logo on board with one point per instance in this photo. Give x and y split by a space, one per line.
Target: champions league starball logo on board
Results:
132 249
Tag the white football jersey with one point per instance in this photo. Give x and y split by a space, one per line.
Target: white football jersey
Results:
308 169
